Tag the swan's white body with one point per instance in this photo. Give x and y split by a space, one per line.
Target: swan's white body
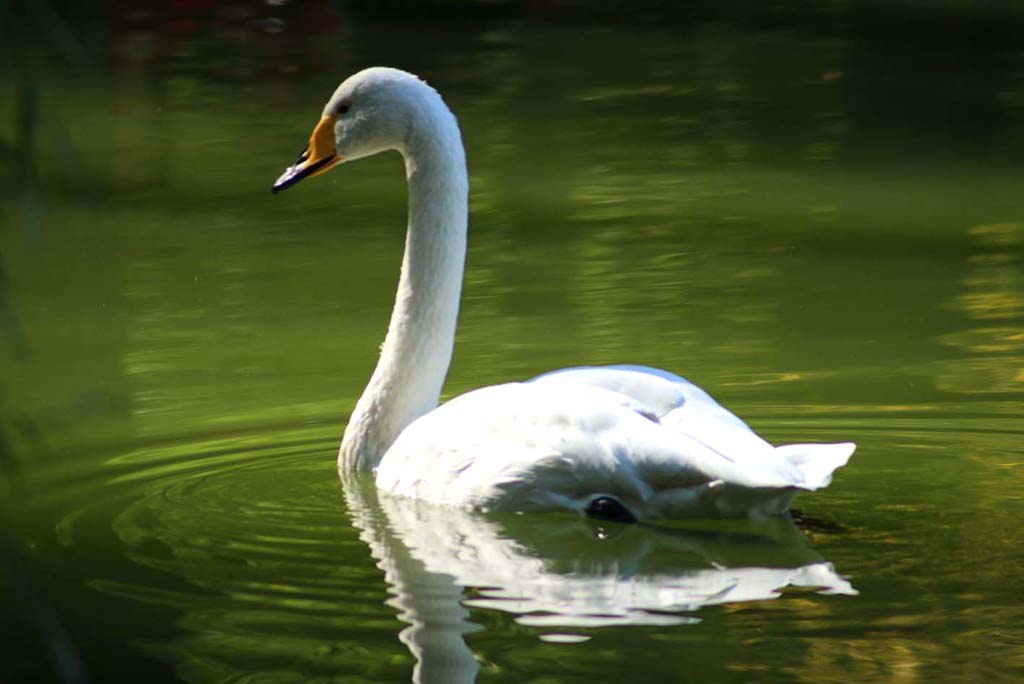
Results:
652 440
655 442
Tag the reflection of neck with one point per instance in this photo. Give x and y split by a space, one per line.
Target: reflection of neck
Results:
418 347
430 603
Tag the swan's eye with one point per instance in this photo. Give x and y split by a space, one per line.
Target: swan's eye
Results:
343 108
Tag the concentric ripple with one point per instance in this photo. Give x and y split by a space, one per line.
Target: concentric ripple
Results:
275 578
270 570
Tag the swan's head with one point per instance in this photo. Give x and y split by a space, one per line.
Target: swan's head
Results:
375 110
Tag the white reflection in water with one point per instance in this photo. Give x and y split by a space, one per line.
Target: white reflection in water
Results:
564 572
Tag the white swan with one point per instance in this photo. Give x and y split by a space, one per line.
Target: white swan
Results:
623 442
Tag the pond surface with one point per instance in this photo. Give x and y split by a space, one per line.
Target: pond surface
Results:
821 225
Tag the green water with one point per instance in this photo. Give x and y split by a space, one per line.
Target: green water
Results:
819 220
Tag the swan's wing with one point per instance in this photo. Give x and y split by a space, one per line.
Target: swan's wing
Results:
535 446
678 403
685 408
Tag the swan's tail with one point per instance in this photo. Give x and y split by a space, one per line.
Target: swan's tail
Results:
817 462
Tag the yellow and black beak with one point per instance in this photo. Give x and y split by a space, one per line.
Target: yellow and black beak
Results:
320 154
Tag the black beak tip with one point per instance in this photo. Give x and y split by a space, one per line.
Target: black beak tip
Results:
296 172
287 179
292 174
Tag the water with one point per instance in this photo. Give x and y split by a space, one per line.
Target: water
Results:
815 218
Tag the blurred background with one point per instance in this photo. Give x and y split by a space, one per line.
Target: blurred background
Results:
815 210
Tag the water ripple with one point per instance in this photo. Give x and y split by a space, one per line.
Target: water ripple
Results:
278 567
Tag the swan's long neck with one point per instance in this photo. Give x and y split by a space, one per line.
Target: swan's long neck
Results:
418 347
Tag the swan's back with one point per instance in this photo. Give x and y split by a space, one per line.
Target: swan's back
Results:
558 442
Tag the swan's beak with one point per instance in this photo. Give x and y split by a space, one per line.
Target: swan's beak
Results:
319 155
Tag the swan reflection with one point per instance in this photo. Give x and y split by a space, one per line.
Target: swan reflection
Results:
565 572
